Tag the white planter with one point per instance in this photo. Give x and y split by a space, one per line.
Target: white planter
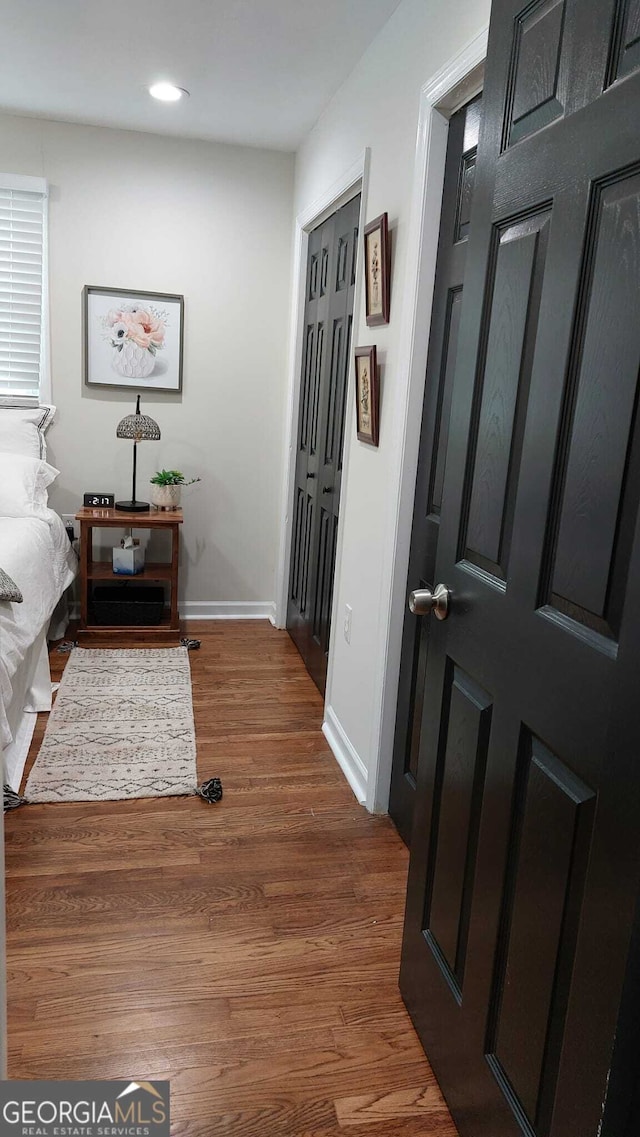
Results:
166 497
133 361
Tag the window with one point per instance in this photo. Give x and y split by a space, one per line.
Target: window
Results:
24 348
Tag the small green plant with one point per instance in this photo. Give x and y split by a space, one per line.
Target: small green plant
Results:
171 478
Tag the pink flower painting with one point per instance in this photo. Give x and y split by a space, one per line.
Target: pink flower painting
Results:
136 333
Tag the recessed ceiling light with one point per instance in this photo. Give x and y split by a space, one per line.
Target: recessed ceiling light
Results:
167 92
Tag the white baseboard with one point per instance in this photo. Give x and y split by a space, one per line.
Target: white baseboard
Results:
214 610
228 610
345 755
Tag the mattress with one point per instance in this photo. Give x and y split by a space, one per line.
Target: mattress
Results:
38 556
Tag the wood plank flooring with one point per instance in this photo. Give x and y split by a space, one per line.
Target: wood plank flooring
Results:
246 951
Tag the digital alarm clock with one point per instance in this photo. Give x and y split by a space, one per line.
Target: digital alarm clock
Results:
99 500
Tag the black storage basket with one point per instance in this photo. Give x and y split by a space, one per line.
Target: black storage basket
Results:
123 604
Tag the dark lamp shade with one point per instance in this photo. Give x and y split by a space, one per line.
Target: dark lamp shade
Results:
139 427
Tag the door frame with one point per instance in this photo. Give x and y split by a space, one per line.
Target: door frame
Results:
444 93
353 181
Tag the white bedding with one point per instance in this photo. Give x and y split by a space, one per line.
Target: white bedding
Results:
37 555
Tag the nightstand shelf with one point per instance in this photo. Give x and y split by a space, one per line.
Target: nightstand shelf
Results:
103 570
92 570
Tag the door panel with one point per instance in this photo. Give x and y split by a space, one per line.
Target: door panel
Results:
525 854
626 39
464 759
550 833
516 284
537 76
459 183
443 410
595 473
331 267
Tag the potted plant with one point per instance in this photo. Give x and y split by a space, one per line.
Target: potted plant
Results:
166 488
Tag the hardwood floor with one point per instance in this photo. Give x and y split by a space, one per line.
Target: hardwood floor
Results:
247 951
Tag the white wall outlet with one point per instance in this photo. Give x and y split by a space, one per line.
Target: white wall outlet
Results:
348 612
70 519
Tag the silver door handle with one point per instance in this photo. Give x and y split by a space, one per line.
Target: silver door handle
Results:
422 602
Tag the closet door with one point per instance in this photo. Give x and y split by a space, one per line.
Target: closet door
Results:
330 285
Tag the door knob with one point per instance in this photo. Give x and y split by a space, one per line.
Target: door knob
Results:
327 489
422 602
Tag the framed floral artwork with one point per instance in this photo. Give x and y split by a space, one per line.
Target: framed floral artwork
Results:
132 339
367 395
377 275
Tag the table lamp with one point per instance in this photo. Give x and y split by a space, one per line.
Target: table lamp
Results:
140 428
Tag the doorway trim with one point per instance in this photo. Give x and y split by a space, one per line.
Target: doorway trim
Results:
354 180
449 89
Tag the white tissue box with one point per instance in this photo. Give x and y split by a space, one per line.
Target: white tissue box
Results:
128 562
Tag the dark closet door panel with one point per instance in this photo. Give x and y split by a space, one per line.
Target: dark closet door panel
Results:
323 389
306 394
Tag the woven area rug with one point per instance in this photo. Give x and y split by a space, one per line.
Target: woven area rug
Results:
121 727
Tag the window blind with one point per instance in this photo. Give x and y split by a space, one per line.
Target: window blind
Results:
23 206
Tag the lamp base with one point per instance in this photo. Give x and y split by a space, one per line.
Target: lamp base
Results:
133 506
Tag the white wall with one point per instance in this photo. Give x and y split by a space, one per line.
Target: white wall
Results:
377 107
212 222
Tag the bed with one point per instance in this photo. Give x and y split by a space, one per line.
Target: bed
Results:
36 553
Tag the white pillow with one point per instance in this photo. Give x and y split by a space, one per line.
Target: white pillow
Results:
22 430
23 486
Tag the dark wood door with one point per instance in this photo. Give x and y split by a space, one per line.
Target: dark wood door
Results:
331 271
459 179
525 847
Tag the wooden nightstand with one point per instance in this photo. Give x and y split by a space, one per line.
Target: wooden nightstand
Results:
102 571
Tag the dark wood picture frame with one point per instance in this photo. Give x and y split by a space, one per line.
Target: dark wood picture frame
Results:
377 271
134 383
367 395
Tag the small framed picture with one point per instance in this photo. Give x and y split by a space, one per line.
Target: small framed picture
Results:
367 395
132 339
377 271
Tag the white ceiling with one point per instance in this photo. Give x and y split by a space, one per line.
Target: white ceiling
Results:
259 71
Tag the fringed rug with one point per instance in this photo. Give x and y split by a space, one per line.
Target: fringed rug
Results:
121 727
